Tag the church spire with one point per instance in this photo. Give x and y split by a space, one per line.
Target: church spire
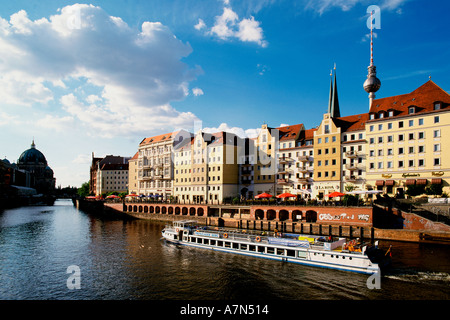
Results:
333 101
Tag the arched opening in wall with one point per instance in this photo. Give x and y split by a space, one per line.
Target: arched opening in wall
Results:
259 214
283 215
170 210
192 211
124 207
311 216
200 212
140 209
164 210
152 209
271 214
177 210
158 209
130 208
135 209
145 209
184 211
296 215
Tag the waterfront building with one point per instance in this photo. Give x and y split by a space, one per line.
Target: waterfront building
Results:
327 148
289 141
132 175
304 164
246 161
206 169
155 166
109 174
406 147
265 161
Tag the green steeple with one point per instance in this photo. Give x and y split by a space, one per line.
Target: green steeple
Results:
333 102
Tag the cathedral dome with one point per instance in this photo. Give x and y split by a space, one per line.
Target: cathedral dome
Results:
33 156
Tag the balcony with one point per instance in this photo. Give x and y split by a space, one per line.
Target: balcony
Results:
351 178
351 166
285 160
303 158
303 180
246 182
282 181
351 154
303 169
146 178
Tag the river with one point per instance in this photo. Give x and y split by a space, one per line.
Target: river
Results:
122 260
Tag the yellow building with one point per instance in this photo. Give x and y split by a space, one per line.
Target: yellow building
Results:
265 165
406 146
133 183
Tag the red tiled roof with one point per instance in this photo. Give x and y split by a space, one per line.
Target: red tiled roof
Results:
161 137
423 98
352 123
290 132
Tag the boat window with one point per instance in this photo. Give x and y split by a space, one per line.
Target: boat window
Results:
290 253
252 248
270 250
235 245
228 244
220 243
260 249
280 252
243 246
213 242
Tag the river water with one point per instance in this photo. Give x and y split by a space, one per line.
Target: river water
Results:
121 260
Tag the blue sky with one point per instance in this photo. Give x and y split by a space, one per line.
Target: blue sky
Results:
102 75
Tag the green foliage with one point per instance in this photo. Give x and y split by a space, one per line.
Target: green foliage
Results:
415 190
434 189
84 190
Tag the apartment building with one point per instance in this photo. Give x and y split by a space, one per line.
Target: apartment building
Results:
207 169
155 166
109 174
406 145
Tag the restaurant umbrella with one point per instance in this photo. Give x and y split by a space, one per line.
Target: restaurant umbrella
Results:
263 196
335 194
286 195
113 196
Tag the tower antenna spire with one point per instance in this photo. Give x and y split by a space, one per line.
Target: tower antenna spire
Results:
372 83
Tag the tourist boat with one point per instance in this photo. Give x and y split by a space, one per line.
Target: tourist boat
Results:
329 252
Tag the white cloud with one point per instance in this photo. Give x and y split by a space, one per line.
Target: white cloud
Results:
59 124
200 25
197 92
247 133
136 73
228 26
324 5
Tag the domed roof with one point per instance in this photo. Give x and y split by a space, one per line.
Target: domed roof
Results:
32 155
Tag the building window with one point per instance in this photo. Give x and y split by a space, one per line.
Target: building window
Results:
371 128
400 164
437 106
437 148
420 122
411 136
411 163
411 123
421 163
391 113
411 110
436 133
400 124
400 137
436 119
437 161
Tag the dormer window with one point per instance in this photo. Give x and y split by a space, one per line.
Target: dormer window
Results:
391 113
437 106
381 115
372 116
411 110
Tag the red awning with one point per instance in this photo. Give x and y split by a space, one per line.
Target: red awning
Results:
410 182
390 182
421 181
379 183
436 181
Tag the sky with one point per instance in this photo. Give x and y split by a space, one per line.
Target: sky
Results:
100 76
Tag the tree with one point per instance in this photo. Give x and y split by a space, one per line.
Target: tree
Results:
84 190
